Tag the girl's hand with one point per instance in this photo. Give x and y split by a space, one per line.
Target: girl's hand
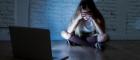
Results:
102 37
79 17
65 35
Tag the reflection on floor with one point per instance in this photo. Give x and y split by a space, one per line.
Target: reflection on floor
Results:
76 53
116 50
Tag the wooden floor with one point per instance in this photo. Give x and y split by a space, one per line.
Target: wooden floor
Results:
116 50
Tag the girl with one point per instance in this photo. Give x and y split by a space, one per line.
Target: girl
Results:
87 27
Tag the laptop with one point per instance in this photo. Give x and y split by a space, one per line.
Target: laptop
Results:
30 43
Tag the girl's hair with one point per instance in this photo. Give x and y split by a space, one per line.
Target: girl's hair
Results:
96 15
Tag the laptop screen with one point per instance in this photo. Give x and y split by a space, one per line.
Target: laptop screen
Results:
31 43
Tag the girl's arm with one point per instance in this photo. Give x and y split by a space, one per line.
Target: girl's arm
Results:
98 28
67 34
75 22
102 36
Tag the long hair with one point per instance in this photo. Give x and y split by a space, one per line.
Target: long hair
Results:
96 15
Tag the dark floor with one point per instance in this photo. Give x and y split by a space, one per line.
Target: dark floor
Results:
116 50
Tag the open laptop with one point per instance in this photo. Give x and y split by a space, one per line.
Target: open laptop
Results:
31 43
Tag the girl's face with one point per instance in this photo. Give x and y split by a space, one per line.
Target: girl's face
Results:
85 14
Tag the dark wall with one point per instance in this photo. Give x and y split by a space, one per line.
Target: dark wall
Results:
122 17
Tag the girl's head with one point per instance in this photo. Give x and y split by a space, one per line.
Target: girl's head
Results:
89 7
86 7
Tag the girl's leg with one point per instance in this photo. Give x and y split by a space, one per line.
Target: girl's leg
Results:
92 40
76 40
94 43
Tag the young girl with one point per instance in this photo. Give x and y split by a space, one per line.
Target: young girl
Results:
87 27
